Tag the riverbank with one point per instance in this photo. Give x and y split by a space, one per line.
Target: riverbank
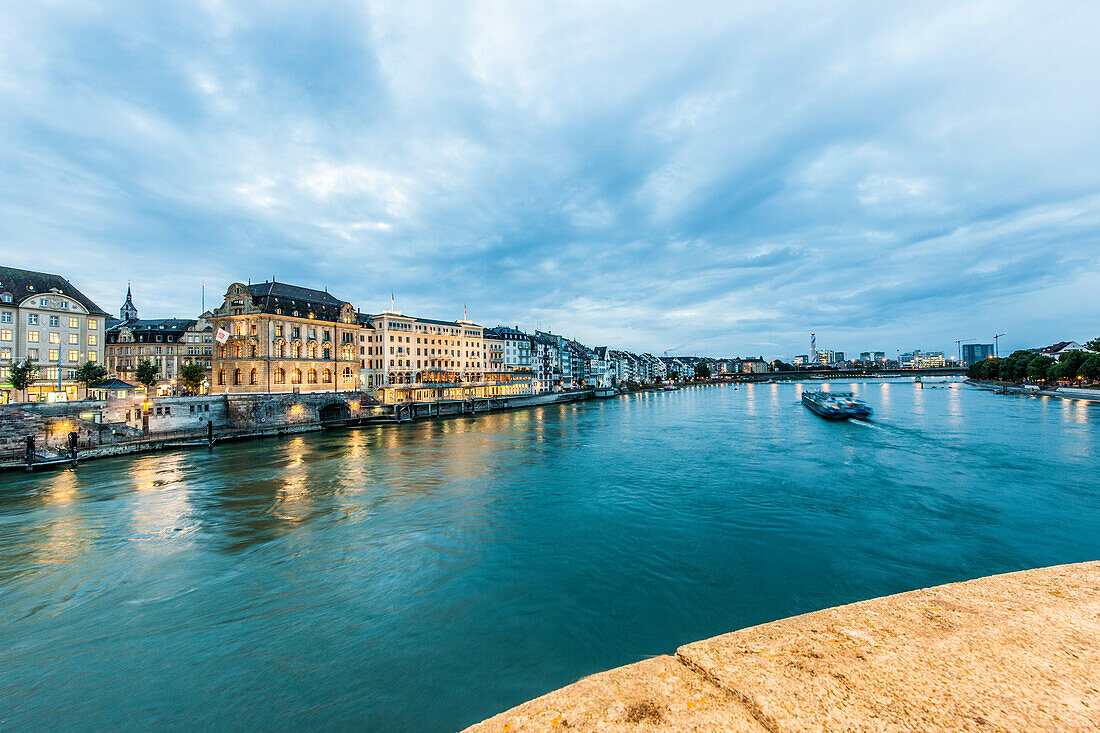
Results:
383 414
1019 651
1064 393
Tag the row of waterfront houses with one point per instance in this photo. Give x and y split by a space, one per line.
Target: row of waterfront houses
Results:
277 337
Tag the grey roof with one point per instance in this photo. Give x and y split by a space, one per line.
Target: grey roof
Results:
23 283
114 383
146 329
268 296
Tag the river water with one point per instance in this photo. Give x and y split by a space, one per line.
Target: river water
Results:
425 576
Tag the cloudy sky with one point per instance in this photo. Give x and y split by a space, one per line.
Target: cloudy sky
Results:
716 178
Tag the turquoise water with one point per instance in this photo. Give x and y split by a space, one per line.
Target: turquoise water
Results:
425 576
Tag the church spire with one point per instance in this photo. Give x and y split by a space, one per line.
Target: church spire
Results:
128 312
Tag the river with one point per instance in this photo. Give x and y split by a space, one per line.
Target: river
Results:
425 576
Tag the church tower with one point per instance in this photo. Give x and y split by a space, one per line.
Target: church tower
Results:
128 312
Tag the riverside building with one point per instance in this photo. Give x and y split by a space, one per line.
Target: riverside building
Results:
412 359
168 343
276 337
44 318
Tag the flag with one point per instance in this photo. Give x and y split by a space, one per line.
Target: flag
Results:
222 336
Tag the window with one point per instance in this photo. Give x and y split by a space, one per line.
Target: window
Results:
55 321
5 334
32 354
74 338
236 376
55 354
32 319
55 337
296 376
43 302
253 377
5 317
74 355
280 376
5 353
327 376
221 377
74 322
6 297
93 324
311 376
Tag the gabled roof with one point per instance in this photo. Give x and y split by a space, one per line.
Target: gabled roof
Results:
24 283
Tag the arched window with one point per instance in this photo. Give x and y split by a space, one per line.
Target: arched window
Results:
311 376
280 376
221 352
237 351
236 376
253 377
280 349
252 350
347 374
327 352
313 351
327 375
296 376
221 377
296 351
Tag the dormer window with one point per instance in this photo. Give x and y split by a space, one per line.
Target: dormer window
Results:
6 297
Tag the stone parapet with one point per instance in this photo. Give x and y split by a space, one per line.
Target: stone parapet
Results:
1013 652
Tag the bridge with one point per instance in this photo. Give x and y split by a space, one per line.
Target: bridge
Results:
843 374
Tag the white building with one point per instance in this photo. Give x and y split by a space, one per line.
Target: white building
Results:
44 318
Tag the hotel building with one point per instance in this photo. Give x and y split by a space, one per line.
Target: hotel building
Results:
275 337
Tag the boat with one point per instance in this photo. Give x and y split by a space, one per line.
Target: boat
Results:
836 405
670 388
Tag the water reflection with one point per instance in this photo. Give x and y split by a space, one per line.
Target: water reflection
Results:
373 567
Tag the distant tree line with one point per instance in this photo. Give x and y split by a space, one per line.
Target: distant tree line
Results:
1029 366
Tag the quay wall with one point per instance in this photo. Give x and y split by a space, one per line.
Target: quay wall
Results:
117 427
1012 652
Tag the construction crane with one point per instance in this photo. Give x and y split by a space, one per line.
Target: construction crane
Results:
997 344
959 348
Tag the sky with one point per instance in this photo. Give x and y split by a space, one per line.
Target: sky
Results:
707 178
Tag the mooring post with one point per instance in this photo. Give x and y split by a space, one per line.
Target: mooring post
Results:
30 452
210 433
72 446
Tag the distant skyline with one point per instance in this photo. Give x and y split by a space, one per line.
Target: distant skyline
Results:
705 178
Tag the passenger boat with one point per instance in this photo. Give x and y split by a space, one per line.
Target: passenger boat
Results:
836 405
670 388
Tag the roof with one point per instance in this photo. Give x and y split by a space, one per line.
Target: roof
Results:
115 383
23 283
145 328
269 296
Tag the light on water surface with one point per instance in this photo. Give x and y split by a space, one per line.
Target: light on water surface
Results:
427 575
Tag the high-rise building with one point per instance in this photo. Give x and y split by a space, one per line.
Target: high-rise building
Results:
973 353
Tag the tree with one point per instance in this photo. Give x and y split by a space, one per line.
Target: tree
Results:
22 375
146 373
1069 366
1090 370
1093 345
192 376
702 370
90 374
1038 368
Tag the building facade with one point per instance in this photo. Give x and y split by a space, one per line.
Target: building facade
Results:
168 343
276 337
973 353
44 318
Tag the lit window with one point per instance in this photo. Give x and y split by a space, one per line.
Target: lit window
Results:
55 337
74 355
32 336
93 324
74 322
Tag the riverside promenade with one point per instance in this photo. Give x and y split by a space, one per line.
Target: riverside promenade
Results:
1012 652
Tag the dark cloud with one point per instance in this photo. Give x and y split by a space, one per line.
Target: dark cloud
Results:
718 178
